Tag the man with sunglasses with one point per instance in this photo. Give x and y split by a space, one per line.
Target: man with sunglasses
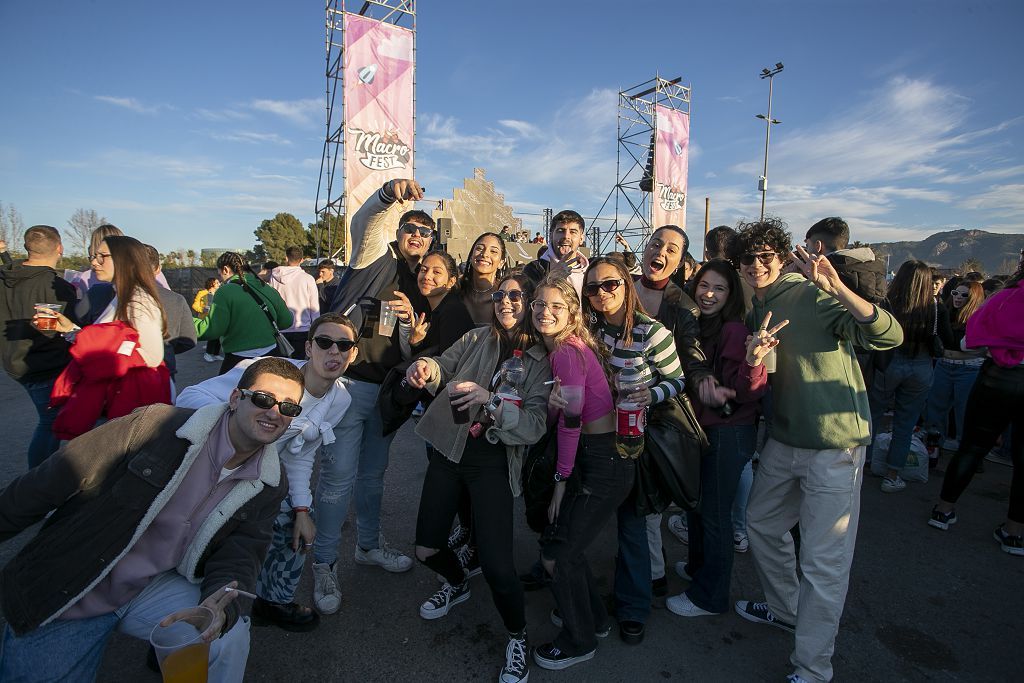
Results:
562 258
811 468
148 516
378 268
330 347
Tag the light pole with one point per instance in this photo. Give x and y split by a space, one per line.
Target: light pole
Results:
768 123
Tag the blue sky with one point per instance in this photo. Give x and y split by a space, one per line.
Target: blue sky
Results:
190 122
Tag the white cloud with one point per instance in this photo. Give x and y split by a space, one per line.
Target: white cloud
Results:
525 129
302 112
222 115
251 137
131 103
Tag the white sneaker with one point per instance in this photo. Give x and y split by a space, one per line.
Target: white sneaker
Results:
441 602
326 593
681 571
740 542
677 525
893 485
385 557
208 358
684 607
219 356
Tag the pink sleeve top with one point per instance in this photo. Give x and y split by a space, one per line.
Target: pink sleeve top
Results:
576 365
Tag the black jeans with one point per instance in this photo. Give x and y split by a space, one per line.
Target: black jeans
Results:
483 471
605 480
298 342
711 544
994 403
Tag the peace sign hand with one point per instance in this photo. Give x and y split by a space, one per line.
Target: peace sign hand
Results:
763 341
818 270
419 329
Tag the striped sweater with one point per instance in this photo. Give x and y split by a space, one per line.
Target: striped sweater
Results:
653 352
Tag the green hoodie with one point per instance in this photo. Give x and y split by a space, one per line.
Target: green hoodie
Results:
818 394
235 316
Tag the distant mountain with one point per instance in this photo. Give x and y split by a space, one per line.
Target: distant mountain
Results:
997 253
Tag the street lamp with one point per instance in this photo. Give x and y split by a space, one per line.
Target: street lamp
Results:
770 74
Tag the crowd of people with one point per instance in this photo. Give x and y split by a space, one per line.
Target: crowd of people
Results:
602 390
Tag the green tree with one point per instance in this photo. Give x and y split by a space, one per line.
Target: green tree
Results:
278 233
191 256
329 242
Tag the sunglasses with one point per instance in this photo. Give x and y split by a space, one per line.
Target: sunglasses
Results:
344 345
514 295
262 399
591 288
765 257
412 229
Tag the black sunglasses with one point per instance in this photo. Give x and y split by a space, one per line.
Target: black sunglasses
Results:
262 399
765 257
512 294
344 345
412 229
591 288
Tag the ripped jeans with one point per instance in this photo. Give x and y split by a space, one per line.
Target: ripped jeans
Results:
356 460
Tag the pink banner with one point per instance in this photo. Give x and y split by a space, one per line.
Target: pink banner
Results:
378 92
671 166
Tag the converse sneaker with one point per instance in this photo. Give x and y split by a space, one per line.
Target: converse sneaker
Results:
548 656
684 607
208 358
893 485
441 602
678 526
942 520
469 560
740 542
515 669
599 631
759 613
385 557
326 593
458 537
1010 544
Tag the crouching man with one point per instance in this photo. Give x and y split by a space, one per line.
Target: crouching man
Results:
152 513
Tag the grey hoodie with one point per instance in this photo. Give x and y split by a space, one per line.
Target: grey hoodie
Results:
298 289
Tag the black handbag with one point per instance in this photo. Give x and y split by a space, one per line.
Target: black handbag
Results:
669 468
538 480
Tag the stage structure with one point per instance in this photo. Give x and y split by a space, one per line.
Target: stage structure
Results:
371 111
650 166
475 208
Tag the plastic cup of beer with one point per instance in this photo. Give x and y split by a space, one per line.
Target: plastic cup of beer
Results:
573 411
386 323
460 417
46 315
183 656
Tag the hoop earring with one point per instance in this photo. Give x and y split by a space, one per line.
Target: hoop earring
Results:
593 318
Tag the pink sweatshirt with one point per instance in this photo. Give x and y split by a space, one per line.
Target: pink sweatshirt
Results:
999 325
576 365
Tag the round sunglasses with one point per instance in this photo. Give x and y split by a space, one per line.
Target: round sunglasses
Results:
265 401
765 257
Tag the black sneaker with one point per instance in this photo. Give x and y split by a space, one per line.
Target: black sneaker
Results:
441 602
548 656
1010 544
599 631
942 520
536 578
515 669
759 613
469 559
458 537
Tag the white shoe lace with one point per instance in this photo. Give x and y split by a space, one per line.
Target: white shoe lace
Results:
327 583
443 596
464 554
515 656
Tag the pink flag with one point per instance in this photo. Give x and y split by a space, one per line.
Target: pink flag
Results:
671 166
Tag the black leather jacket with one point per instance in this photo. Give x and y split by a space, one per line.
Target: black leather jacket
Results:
679 313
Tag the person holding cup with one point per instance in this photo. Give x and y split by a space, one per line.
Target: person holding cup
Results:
485 454
35 355
581 404
148 516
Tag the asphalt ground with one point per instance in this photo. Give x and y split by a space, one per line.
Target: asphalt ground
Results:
924 605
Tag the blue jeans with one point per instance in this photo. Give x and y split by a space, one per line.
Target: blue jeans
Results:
632 565
356 460
951 386
907 379
711 544
72 649
44 442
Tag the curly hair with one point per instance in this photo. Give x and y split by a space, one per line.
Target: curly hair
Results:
771 233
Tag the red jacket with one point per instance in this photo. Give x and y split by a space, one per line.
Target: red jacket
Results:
106 376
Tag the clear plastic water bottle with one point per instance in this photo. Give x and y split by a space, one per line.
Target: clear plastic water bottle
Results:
630 422
512 374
